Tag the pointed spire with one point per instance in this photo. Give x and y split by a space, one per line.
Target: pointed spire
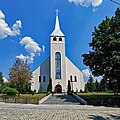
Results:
57 12
57 31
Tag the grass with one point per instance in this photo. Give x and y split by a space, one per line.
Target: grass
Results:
101 98
24 98
35 96
1 99
100 95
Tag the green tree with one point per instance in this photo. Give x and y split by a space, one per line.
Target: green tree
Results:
69 88
103 84
9 91
97 86
20 76
104 59
90 84
49 89
86 88
1 81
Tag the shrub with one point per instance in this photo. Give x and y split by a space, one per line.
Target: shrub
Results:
49 89
32 92
9 91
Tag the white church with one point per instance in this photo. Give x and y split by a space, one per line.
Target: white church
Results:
57 67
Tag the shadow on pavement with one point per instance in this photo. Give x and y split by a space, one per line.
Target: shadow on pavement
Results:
97 117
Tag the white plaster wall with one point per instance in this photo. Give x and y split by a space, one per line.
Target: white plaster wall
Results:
47 68
45 71
58 46
42 70
74 71
35 80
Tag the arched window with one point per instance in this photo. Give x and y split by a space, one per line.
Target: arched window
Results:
39 78
60 39
54 39
43 78
71 78
75 78
58 65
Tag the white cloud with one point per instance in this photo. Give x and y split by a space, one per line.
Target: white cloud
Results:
5 80
31 47
43 48
98 78
5 30
86 3
22 57
86 72
16 28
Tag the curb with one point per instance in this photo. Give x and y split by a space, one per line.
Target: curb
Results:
82 101
45 98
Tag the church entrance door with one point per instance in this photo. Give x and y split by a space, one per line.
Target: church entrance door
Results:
58 88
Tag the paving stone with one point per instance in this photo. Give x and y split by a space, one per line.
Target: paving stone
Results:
57 112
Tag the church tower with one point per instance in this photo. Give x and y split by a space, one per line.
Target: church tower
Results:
57 58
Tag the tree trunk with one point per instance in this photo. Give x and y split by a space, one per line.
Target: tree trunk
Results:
19 94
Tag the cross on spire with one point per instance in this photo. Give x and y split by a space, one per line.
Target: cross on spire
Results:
57 31
57 11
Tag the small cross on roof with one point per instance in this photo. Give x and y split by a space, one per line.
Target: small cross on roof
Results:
57 11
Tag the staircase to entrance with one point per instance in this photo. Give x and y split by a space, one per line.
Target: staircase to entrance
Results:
61 98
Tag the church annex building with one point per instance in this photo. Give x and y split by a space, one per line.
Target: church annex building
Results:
57 67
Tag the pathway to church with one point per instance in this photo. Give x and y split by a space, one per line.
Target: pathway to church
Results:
61 99
57 112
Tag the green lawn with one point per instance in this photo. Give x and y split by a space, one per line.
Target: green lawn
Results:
24 98
100 98
100 95
35 96
1 100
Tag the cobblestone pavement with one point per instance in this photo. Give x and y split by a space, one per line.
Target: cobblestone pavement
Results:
61 99
57 112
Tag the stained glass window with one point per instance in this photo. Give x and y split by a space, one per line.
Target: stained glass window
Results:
58 65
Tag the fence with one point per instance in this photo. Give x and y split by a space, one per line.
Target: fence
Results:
10 99
110 103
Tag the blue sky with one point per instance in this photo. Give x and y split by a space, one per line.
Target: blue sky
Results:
36 19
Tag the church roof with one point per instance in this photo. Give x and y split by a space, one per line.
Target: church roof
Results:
57 31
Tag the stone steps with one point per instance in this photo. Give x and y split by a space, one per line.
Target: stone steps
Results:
61 99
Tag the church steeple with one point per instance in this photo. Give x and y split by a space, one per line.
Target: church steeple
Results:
57 31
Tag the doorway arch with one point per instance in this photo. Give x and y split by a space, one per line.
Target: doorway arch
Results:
58 88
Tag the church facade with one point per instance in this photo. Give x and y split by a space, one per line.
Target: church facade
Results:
57 67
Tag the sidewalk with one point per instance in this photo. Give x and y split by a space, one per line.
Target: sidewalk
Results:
57 112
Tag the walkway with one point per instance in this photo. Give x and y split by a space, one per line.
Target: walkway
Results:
61 99
57 112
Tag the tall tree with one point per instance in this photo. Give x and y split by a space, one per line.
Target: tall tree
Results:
97 86
86 88
104 59
103 84
69 87
20 76
90 84
1 81
49 89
